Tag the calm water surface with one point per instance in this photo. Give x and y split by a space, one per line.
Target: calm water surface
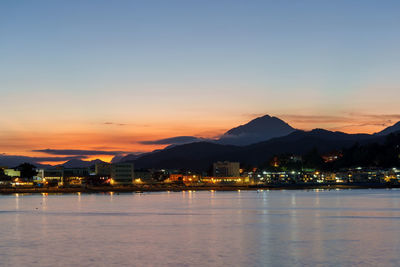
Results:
247 228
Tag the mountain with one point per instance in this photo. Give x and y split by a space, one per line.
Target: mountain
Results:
11 161
300 142
177 140
257 130
260 129
77 163
200 155
391 129
195 156
129 157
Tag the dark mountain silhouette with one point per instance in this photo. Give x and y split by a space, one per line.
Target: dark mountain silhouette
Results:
384 154
129 157
77 163
257 130
260 129
199 156
300 142
12 161
391 129
250 143
195 156
177 140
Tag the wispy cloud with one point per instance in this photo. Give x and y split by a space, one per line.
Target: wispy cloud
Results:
388 118
349 122
177 140
78 152
315 118
114 123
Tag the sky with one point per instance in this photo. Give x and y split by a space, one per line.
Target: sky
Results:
108 75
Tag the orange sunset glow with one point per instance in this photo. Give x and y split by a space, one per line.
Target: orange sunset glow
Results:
127 136
124 79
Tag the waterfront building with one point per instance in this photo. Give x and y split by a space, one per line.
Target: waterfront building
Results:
226 180
144 175
226 169
392 175
102 169
5 180
362 175
185 178
12 173
175 177
75 176
122 173
267 177
61 176
52 176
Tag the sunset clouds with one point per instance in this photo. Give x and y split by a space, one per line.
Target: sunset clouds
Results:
106 77
348 122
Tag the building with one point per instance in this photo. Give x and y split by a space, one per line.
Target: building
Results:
5 180
75 176
52 177
226 180
122 173
144 175
76 172
102 169
12 173
226 169
185 178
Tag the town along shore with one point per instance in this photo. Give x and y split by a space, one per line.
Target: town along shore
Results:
178 188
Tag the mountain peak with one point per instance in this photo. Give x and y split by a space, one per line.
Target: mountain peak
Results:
256 125
259 129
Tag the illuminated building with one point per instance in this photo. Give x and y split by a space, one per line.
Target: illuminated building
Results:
144 175
186 178
12 172
52 176
122 173
226 169
226 180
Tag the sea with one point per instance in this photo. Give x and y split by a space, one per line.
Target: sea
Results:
202 228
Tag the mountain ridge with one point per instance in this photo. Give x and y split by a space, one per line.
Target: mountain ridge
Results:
391 129
200 155
261 146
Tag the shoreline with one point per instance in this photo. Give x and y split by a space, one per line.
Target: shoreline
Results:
181 188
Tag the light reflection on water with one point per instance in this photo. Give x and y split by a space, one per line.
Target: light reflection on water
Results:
198 228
